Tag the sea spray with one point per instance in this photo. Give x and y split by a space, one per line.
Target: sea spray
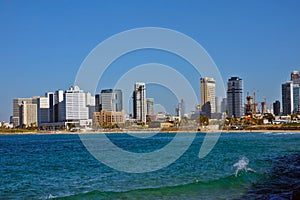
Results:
241 165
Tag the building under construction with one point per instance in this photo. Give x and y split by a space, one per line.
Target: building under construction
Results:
251 105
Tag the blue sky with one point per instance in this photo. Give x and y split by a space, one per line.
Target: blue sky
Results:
43 43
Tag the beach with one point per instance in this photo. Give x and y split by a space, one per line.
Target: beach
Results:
149 131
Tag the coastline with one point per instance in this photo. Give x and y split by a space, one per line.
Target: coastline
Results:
147 131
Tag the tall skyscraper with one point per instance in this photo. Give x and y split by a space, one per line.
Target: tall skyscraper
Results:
182 107
296 97
109 100
150 106
219 104
291 94
276 108
208 93
235 97
139 102
51 99
58 105
295 77
287 98
119 100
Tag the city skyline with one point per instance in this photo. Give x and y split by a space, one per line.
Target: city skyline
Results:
257 41
79 108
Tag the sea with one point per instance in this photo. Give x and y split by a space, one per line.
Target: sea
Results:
240 166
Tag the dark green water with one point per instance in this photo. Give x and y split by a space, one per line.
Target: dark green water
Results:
59 166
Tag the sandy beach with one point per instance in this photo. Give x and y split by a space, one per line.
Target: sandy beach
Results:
149 131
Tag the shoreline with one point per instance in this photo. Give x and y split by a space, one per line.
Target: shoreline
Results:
148 131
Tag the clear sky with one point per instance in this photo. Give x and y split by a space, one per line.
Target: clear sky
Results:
43 43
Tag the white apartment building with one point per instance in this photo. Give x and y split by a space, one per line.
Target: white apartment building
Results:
28 114
76 110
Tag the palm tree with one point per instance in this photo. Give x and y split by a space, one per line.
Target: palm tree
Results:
294 116
203 120
270 117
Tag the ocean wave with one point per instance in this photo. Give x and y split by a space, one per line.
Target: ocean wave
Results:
194 190
282 182
281 133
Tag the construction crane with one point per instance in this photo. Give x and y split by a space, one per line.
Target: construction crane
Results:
254 102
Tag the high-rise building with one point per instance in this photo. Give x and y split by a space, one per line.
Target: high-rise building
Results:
235 97
276 108
287 98
208 93
206 108
263 107
119 100
90 103
51 99
296 98
224 105
97 103
17 102
58 105
75 105
219 104
109 100
43 110
90 100
291 94
295 77
150 106
182 108
249 106
139 102
57 109
28 114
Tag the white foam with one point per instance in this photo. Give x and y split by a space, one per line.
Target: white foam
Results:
241 165
281 133
50 196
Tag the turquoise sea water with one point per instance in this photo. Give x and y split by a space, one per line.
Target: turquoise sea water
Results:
241 166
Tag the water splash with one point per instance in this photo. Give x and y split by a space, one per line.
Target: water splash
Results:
241 165
50 196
